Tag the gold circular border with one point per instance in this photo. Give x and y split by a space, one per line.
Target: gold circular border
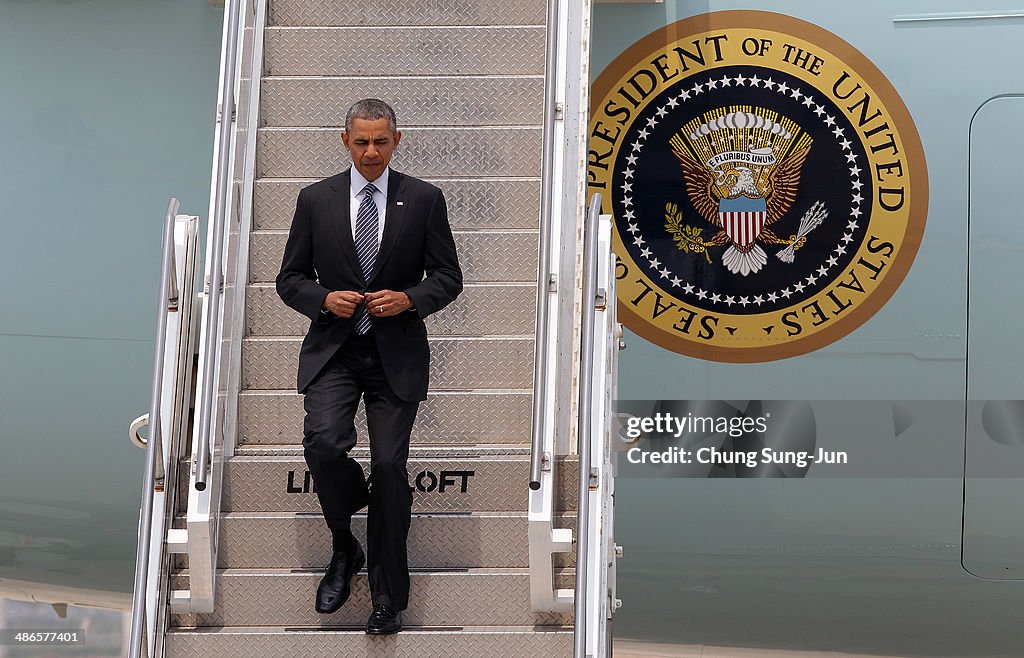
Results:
913 149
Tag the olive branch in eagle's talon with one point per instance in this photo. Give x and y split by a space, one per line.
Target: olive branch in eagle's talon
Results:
687 238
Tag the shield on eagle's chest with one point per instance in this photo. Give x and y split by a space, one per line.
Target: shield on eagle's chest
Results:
743 218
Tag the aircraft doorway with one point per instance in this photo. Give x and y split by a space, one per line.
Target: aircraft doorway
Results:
993 526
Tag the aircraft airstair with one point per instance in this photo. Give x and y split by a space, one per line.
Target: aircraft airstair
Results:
232 542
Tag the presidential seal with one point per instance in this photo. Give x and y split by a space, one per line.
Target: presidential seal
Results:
768 185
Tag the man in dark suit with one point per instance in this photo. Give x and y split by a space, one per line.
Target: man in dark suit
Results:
369 255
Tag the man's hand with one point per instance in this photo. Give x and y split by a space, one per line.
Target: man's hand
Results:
343 303
385 303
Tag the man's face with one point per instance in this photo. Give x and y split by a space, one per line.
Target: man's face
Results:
371 143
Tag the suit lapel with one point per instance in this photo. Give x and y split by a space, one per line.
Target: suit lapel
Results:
341 217
394 221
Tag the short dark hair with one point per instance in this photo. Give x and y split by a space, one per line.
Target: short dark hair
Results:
371 109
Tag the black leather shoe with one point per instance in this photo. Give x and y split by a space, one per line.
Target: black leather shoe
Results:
335 586
383 621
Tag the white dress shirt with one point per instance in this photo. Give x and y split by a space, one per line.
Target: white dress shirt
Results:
380 197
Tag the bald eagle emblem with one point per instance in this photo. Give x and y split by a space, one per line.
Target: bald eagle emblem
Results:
741 169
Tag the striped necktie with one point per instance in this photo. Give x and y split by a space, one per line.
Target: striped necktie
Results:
366 247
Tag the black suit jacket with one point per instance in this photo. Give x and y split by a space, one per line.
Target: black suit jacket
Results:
417 255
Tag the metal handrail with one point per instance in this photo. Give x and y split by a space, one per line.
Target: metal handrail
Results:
155 444
540 359
214 298
585 422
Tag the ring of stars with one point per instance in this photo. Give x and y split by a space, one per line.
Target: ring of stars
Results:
689 288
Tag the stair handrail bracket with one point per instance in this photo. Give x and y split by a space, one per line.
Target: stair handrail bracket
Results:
563 203
215 425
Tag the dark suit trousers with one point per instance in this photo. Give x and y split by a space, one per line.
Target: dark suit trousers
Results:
329 433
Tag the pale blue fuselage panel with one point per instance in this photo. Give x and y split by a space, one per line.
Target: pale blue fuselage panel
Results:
883 564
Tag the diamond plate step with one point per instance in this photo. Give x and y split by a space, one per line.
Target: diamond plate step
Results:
284 597
424 152
402 12
485 256
427 101
444 642
491 483
420 451
481 310
472 203
436 541
465 417
452 50
455 363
